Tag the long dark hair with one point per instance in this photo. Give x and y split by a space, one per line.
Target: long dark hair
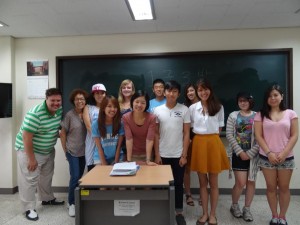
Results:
187 101
102 116
266 109
213 104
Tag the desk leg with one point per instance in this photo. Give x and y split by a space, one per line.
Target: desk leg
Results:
77 206
172 204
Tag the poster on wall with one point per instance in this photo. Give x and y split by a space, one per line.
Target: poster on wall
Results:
37 78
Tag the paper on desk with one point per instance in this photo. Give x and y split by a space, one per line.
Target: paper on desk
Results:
124 169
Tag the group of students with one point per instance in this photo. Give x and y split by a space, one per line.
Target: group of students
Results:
101 129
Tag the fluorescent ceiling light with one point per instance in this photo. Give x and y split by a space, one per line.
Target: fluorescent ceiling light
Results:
141 9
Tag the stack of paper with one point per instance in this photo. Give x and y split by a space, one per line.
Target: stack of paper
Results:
124 169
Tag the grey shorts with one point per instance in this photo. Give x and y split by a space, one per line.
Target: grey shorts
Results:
289 163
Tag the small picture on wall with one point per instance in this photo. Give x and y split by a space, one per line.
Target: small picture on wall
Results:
37 68
37 78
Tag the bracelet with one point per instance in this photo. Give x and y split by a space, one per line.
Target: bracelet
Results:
182 156
268 153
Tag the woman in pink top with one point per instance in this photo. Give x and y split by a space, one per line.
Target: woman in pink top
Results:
139 126
276 131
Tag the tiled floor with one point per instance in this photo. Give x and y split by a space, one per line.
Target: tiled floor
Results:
11 214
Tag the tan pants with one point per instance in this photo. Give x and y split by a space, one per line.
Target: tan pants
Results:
39 180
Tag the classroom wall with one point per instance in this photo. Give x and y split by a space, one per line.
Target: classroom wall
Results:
49 48
8 162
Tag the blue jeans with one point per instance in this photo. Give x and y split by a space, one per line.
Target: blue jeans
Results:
76 167
178 173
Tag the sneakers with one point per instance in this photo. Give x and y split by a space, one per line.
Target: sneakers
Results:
31 215
274 221
282 222
53 202
72 210
180 219
247 216
235 211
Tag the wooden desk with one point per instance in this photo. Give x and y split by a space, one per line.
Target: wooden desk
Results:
152 187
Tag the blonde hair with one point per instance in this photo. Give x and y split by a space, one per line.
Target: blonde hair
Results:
124 83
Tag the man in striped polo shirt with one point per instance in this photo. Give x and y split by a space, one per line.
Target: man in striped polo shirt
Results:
35 152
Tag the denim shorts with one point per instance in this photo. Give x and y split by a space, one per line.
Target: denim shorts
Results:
264 162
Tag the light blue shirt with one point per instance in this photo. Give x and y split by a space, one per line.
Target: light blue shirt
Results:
109 144
154 103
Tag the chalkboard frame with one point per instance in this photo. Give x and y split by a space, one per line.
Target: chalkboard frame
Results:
286 52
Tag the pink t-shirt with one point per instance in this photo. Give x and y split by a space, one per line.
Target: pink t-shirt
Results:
139 134
277 134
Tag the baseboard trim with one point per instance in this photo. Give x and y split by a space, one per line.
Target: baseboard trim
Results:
7 191
60 189
258 191
223 191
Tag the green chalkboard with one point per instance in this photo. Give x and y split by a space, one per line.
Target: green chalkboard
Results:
228 71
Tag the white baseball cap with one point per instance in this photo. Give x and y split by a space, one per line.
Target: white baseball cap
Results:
98 87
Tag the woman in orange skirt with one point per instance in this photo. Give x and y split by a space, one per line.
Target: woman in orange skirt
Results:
209 156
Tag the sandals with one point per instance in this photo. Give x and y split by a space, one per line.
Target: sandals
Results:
198 222
189 200
216 223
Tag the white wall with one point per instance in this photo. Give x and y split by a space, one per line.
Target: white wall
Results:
8 161
49 48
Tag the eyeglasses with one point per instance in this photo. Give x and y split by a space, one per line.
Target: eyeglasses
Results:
79 100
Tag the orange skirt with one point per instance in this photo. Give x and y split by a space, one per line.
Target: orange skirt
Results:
208 154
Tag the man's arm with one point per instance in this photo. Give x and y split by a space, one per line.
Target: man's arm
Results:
28 148
186 143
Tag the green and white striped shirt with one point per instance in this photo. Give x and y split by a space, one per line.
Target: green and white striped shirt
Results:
43 125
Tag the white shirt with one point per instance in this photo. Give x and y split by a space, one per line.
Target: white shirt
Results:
171 123
205 124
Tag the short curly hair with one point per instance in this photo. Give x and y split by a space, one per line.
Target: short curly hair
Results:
76 92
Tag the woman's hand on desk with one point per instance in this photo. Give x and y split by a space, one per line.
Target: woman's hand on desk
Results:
149 163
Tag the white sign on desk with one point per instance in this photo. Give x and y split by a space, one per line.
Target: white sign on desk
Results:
126 207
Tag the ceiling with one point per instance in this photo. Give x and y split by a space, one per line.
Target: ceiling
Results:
50 18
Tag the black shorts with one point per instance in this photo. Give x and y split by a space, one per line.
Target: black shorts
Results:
238 164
